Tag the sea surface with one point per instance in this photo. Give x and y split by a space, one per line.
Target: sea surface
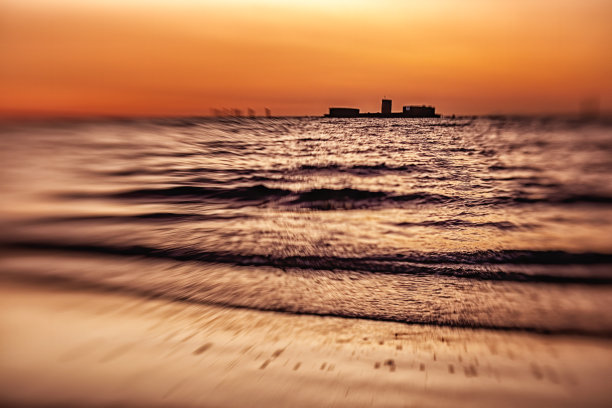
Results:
500 223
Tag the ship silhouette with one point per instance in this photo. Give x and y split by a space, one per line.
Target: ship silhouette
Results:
408 111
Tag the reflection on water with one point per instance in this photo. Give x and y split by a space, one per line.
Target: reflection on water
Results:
500 223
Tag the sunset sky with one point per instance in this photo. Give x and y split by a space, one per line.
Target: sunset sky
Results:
184 57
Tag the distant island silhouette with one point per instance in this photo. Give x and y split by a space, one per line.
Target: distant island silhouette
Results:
408 111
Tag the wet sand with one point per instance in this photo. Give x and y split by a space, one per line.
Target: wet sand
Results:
81 348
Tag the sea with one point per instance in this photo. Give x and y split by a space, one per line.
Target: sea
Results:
501 223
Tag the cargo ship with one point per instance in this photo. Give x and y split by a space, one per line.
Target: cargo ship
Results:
408 111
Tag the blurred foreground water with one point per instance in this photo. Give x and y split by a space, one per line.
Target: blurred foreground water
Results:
499 223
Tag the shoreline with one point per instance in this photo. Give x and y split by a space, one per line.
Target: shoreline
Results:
67 347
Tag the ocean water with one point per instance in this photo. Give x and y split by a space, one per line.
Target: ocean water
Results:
499 223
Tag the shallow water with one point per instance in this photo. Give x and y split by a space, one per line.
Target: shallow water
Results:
501 223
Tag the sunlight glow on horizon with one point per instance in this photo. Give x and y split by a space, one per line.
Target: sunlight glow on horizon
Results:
185 57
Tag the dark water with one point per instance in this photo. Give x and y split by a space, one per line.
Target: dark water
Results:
494 222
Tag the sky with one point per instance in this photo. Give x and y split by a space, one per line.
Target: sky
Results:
186 57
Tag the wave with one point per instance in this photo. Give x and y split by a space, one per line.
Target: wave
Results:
190 217
452 223
520 198
177 295
145 217
483 265
502 167
258 192
341 199
356 169
359 169
317 198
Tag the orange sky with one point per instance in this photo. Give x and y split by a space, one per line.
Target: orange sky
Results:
183 57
